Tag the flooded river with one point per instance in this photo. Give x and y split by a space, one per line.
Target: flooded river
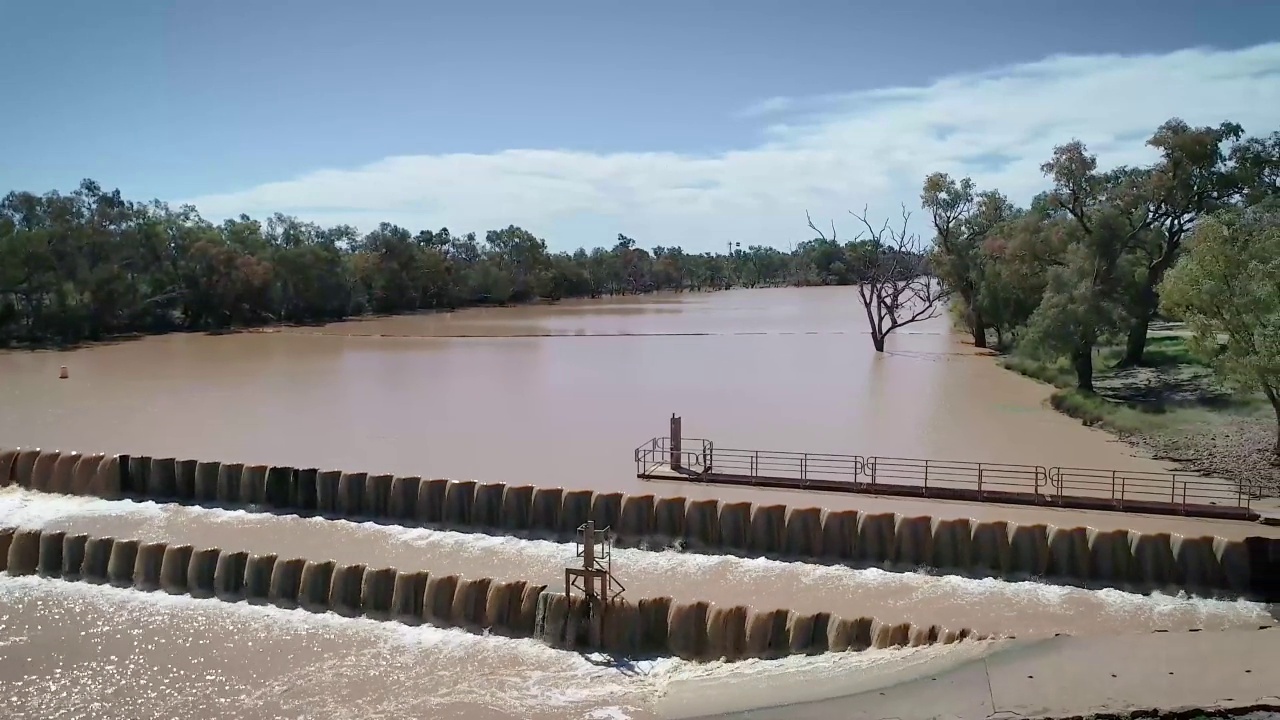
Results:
548 395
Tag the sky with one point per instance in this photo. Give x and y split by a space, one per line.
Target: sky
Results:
691 123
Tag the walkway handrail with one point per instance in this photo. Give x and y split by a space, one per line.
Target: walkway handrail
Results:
1123 489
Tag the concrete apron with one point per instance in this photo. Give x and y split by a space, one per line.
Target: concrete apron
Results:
1050 678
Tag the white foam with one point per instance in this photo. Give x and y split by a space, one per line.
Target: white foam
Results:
23 508
460 667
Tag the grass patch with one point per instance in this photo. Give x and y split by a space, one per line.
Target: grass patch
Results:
1094 409
1057 373
1170 350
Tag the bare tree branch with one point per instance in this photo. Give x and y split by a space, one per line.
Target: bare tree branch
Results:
896 286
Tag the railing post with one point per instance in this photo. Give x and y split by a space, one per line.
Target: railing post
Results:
926 475
1173 490
979 481
873 471
1113 486
804 466
1184 497
1122 481
675 442
755 463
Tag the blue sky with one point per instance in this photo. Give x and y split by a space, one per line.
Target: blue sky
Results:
674 122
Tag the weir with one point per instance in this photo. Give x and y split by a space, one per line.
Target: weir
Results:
1248 567
676 458
650 627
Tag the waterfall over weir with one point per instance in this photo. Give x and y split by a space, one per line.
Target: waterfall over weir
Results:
1119 558
652 626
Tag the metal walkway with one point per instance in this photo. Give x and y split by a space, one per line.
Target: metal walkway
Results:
697 460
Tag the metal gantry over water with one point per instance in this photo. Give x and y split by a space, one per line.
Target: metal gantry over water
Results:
677 458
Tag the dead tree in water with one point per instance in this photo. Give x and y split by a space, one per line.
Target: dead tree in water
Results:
895 284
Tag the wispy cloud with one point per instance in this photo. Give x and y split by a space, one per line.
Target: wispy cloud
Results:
824 154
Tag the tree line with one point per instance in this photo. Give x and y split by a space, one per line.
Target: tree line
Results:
1095 259
91 264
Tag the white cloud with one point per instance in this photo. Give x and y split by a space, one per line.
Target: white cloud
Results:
831 154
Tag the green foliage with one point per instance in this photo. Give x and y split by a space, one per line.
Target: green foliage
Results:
92 264
1229 285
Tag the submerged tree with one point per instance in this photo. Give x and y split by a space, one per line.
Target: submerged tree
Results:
897 288
1229 284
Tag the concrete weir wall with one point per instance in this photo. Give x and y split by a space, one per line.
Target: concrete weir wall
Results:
654 626
1119 558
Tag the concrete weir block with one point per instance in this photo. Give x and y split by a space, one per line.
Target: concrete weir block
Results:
438 601
97 559
24 552
545 514
313 588
575 510
804 533
185 479
768 528
702 523
344 589
286 581
162 479
124 556
206 482
258 570
305 493
735 525
42 470
253 485
23 466
51 542
174 569
279 488
459 497
376 590
430 506
148 566
377 496
486 510
73 549
1029 549
350 500
229 483
63 480
637 521
202 572
668 517
7 459
606 510
407 597
6 542
327 482
228 575
84 477
404 497
517 506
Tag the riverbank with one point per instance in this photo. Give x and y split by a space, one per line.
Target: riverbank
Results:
1172 408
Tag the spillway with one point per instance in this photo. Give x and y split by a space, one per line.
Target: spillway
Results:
983 604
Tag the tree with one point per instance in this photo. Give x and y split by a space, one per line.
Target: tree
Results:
1097 217
1229 284
962 219
1191 179
895 286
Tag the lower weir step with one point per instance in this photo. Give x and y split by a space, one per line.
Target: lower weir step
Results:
648 627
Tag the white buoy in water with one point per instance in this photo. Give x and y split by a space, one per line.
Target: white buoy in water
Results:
63 374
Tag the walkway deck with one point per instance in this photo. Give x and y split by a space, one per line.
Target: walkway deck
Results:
700 461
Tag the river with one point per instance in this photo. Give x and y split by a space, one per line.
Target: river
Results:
547 395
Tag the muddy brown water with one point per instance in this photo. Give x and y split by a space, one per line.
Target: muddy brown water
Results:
548 395
553 395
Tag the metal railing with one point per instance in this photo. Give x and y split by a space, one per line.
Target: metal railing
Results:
1055 485
1136 487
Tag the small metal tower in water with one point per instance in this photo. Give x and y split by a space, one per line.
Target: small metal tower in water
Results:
594 577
